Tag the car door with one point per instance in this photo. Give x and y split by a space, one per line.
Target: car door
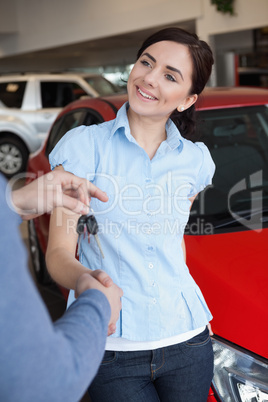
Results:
227 234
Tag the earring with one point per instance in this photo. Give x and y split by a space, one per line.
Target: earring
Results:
182 109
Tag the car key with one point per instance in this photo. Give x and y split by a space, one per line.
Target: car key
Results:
88 223
81 229
92 228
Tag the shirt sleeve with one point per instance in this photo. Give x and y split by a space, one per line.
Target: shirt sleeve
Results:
206 170
76 152
39 360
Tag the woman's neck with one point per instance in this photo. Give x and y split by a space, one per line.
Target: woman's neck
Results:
148 133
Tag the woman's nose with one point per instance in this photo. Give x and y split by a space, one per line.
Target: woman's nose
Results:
151 78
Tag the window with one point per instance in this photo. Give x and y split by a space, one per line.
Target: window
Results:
238 142
92 117
101 85
61 126
11 93
71 120
59 94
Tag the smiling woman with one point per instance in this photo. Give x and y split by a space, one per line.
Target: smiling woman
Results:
155 88
202 62
162 328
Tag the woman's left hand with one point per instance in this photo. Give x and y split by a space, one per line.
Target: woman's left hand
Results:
210 329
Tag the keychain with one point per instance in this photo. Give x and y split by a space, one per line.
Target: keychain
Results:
87 224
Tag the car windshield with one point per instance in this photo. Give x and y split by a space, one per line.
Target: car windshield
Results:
238 198
101 85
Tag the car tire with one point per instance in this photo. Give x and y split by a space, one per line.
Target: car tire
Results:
13 155
37 256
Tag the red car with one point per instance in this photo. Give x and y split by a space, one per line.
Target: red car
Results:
227 234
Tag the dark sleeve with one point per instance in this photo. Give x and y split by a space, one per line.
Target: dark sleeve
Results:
39 360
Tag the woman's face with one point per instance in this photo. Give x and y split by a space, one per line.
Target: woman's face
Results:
160 80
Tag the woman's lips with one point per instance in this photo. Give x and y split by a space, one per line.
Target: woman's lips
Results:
145 94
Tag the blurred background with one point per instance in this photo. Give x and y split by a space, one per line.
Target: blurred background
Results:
103 36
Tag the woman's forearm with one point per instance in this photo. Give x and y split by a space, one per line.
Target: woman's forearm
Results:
64 268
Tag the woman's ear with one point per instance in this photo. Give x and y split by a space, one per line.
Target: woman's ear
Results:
188 102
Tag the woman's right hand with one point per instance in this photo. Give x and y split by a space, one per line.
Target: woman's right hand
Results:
100 280
102 277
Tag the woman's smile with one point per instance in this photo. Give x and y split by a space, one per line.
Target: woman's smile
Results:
146 95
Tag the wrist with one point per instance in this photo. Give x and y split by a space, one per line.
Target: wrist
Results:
25 202
85 282
19 203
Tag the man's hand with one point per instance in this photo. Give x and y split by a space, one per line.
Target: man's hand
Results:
55 189
113 294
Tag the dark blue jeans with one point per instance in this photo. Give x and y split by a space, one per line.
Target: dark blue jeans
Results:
179 373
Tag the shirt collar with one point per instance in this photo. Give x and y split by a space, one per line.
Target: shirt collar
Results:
121 121
174 138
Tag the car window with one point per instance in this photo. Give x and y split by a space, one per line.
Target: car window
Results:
101 85
68 121
59 94
11 93
92 117
238 198
61 126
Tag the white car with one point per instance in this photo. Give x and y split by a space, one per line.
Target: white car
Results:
29 104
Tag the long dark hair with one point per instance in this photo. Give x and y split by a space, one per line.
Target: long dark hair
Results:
202 59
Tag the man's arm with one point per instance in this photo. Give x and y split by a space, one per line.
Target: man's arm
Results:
39 360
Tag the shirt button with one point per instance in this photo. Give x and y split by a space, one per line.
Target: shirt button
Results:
150 248
153 284
151 265
154 301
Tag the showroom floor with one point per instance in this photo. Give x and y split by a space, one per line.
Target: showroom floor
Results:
52 297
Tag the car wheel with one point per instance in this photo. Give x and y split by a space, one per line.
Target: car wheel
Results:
13 156
37 256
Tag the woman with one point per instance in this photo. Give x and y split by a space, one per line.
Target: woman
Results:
151 172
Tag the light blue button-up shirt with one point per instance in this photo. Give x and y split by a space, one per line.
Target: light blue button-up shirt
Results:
141 226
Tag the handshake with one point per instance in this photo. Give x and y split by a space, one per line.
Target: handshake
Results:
101 281
63 189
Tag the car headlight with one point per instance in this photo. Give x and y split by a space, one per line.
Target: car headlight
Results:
239 376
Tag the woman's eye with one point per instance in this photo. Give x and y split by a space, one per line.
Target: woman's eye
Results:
170 77
145 63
